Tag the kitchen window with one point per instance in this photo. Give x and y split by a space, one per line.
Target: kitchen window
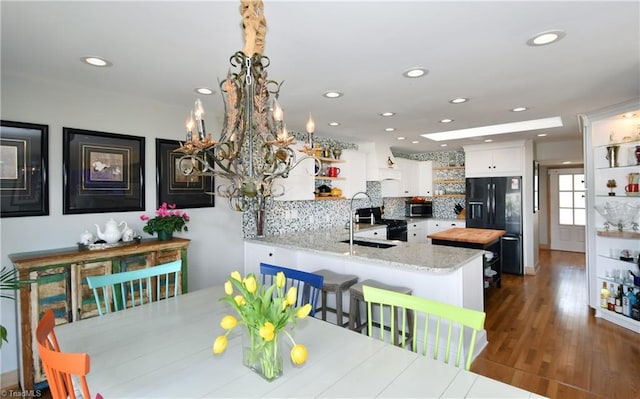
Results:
571 199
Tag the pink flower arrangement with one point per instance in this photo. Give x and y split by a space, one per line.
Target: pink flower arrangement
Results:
167 219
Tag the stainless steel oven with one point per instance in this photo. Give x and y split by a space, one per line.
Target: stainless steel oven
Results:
419 209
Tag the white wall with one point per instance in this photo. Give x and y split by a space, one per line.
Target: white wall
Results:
216 233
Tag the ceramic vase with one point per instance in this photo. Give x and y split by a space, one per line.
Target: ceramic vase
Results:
165 235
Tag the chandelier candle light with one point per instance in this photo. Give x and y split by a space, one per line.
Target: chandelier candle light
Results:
254 147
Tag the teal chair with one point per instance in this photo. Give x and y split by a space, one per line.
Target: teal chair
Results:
307 284
137 287
429 314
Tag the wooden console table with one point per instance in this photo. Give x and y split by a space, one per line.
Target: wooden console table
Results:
59 277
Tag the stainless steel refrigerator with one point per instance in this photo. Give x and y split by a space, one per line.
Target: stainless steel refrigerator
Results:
496 203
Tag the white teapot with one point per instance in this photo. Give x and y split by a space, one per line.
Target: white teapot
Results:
111 233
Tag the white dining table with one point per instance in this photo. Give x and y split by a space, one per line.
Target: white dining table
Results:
164 350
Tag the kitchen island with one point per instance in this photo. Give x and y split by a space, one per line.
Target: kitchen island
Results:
486 239
442 273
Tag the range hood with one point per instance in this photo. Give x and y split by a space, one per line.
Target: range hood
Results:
378 166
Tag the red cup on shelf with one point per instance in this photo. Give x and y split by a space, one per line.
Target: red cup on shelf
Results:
332 171
631 188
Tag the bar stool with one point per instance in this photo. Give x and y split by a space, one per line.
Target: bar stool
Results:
335 283
356 296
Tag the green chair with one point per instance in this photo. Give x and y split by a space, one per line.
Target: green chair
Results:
428 314
137 287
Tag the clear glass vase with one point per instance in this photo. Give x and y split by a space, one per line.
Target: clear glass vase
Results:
263 357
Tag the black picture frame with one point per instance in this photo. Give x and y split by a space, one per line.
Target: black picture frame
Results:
103 172
173 187
24 186
536 186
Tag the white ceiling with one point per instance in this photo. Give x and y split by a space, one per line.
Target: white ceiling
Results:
473 49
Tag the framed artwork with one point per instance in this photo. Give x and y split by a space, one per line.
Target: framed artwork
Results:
24 158
173 187
536 186
103 172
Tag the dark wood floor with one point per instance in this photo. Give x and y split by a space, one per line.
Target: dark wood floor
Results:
544 338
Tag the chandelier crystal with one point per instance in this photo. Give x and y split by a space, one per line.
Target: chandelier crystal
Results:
254 148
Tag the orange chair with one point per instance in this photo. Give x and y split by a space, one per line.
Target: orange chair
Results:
59 367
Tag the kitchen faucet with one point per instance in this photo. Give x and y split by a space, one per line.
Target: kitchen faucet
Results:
351 218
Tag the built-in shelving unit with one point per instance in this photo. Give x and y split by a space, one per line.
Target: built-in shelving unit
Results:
611 139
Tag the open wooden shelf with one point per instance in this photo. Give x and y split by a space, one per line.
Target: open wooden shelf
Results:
619 234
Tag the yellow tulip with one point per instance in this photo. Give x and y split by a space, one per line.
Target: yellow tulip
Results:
236 276
280 279
240 301
298 354
220 344
267 331
228 287
251 284
228 322
303 311
292 294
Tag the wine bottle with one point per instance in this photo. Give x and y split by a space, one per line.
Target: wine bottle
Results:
604 295
611 302
618 306
626 302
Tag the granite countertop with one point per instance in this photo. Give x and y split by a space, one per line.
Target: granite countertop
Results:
420 257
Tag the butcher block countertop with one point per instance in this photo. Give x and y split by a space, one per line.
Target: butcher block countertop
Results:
470 235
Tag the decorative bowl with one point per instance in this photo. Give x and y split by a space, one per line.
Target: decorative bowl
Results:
619 214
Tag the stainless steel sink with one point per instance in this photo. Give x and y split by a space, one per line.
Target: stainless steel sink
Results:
371 244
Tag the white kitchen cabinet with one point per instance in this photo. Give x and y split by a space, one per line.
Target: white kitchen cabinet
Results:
415 177
300 183
502 159
379 233
417 231
603 129
254 254
355 171
436 225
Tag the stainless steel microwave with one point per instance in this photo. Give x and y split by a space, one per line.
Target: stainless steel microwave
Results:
419 209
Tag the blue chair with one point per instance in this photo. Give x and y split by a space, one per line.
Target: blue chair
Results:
309 284
129 289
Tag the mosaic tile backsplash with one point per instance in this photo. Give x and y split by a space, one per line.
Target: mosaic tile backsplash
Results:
298 216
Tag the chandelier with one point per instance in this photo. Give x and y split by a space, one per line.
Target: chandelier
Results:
254 148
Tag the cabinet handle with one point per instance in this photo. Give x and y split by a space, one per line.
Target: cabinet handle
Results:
375 233
270 254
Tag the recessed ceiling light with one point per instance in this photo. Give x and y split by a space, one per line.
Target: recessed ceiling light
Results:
96 61
415 142
385 114
519 109
488 141
443 145
566 162
400 138
204 90
496 129
333 94
334 123
459 100
390 129
542 135
547 37
446 120
415 72
629 115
